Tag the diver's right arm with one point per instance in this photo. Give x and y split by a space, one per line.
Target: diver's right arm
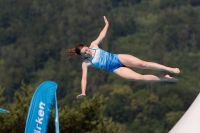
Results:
102 34
85 65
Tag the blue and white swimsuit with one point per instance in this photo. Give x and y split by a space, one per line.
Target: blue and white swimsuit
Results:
105 60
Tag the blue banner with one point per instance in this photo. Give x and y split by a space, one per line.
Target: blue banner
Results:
40 108
56 116
3 111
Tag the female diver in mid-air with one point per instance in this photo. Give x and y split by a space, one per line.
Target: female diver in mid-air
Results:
117 63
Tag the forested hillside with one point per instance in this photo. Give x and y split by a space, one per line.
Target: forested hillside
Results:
34 35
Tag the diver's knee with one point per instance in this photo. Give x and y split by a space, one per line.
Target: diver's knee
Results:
144 64
138 78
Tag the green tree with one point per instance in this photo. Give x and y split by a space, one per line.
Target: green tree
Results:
14 122
86 116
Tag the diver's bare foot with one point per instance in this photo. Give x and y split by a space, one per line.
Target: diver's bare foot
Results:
81 96
171 79
175 70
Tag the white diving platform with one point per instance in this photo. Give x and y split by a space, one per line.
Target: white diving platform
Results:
190 121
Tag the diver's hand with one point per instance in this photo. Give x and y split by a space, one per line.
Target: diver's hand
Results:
106 21
80 96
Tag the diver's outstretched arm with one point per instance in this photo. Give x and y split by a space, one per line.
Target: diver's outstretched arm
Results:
84 79
102 34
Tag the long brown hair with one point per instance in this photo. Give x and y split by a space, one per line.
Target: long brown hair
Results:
75 51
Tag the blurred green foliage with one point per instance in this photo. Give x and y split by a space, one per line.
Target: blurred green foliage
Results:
34 35
85 116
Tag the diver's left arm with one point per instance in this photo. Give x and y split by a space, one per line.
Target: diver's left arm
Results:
84 79
102 34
